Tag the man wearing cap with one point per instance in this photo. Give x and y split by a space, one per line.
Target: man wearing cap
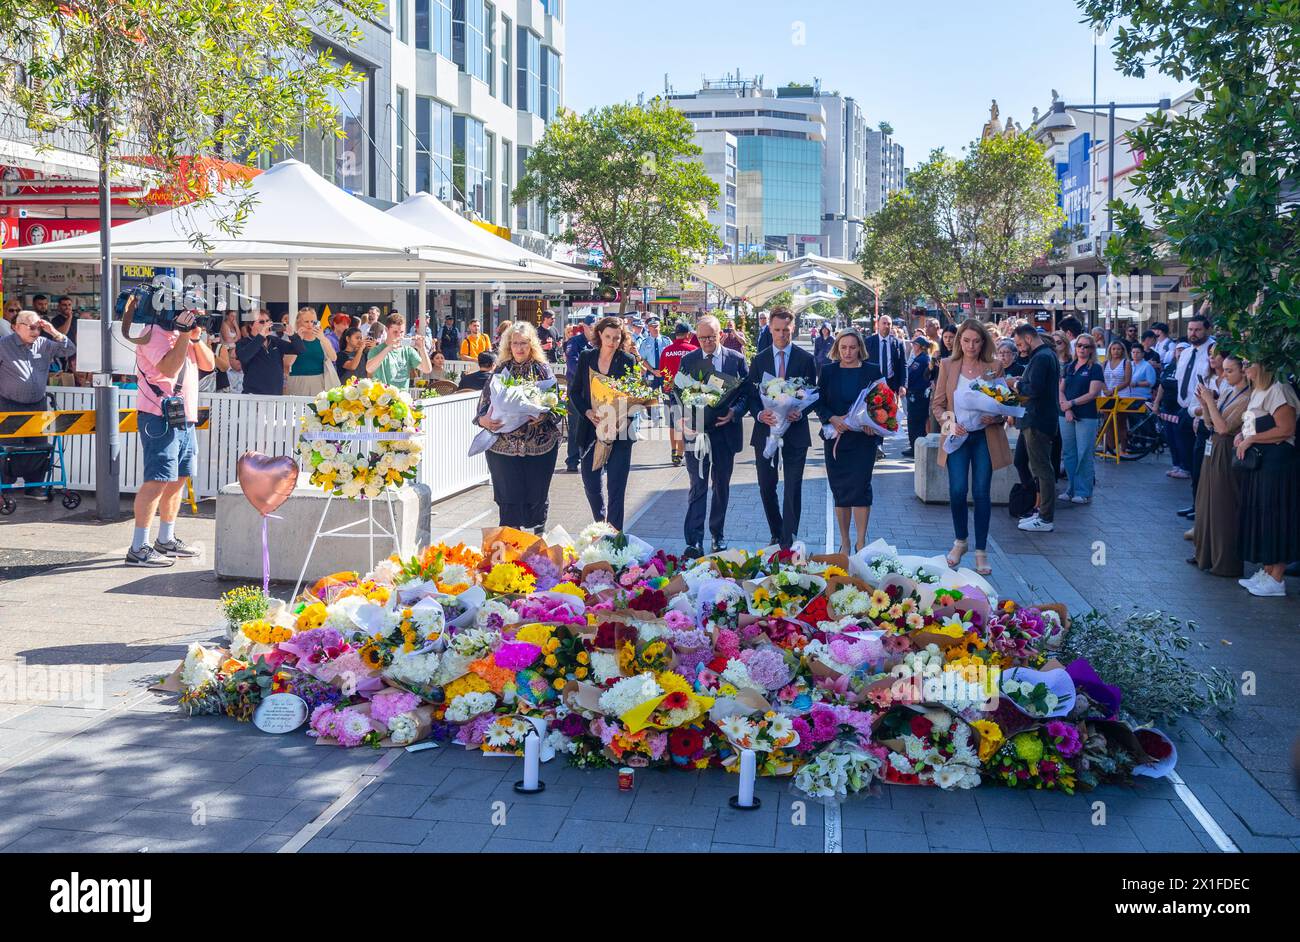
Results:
448 339
670 361
26 354
548 338
573 349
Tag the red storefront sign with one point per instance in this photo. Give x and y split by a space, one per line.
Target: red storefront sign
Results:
43 231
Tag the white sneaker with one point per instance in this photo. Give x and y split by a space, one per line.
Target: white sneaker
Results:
1251 580
1266 586
1036 524
1081 500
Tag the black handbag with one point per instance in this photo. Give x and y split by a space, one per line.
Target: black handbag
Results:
1254 458
1251 462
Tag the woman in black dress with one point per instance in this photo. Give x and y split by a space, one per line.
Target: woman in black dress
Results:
851 456
1269 533
521 462
608 359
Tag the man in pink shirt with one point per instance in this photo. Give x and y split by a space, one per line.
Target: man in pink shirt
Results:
167 365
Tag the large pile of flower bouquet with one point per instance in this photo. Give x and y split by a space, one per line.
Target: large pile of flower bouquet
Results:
839 672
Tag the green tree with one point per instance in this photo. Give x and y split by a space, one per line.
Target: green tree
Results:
977 223
1003 214
757 258
171 78
626 178
905 246
153 81
1220 176
886 128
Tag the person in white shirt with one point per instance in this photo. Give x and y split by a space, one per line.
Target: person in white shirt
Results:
1164 345
1190 370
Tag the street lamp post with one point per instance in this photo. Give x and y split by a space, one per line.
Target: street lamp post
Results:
1058 107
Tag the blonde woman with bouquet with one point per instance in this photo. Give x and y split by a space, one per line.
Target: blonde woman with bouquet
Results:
521 461
982 450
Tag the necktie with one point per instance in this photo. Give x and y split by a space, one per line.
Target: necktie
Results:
1187 376
780 364
884 355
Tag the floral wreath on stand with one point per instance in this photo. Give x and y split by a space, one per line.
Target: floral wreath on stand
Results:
359 438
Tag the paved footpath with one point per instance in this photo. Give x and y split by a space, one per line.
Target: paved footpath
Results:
127 773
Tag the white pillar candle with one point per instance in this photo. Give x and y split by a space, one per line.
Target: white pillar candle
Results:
532 760
748 769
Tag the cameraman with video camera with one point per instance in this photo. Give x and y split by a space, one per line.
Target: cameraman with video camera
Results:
168 359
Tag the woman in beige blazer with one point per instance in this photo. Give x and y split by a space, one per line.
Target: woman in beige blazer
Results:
984 450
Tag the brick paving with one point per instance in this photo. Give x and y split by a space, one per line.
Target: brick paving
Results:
128 774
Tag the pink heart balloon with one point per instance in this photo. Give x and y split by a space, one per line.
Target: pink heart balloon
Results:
267 482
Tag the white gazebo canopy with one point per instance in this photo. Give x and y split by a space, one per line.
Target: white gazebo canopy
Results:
517 267
759 283
295 222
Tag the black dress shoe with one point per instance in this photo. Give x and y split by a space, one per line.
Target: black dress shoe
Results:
1188 512
692 552
1192 560
718 546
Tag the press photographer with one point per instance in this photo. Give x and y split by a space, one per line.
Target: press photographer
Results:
168 358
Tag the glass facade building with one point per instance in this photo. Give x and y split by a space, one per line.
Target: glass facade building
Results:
433 31
469 162
433 132
790 173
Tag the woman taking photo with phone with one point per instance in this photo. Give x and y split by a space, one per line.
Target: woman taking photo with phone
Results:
311 367
353 350
1215 532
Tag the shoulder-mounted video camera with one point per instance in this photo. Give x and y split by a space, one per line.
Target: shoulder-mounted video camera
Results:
162 301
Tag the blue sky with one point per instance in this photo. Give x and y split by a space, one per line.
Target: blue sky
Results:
928 67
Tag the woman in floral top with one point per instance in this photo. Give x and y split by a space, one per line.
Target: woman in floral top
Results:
521 462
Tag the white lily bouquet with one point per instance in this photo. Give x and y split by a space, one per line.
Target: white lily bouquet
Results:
782 397
515 401
971 403
704 399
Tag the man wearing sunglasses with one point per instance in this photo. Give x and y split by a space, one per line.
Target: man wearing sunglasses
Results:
262 356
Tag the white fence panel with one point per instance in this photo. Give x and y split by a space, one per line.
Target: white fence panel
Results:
269 424
448 430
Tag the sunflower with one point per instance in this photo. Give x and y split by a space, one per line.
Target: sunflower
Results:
372 656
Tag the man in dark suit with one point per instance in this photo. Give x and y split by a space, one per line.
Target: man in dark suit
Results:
725 439
783 360
888 353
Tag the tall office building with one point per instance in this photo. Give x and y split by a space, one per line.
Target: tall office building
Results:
844 177
454 96
719 157
800 183
885 172
780 143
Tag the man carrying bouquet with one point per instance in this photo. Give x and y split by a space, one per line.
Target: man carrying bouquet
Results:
725 439
782 360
